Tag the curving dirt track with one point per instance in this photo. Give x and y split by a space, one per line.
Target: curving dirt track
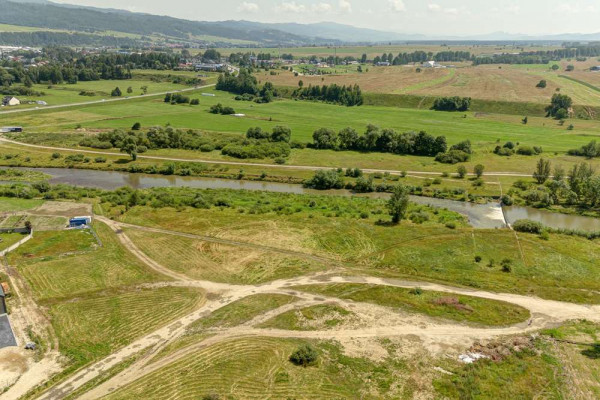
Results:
545 313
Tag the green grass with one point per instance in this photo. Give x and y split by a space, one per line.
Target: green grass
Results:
217 262
470 309
241 311
318 317
522 375
52 244
8 239
110 266
267 373
8 204
92 327
479 129
561 268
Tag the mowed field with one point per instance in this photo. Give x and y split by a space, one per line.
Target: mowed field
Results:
476 127
486 82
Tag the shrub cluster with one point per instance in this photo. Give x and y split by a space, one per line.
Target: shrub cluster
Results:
452 104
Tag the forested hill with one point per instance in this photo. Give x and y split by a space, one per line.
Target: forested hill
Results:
55 16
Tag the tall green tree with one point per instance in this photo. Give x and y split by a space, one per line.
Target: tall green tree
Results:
397 205
542 171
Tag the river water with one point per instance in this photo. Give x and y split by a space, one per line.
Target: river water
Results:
489 215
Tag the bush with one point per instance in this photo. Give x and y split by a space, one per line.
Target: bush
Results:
136 127
207 148
195 102
100 160
56 156
452 104
506 265
477 259
451 225
528 226
221 109
324 180
305 355
452 157
506 200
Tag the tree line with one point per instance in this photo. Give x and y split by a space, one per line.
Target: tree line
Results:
380 140
343 95
70 67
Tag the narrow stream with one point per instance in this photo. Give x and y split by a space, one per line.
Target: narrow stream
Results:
480 215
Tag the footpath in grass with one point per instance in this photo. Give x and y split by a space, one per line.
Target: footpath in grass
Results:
435 304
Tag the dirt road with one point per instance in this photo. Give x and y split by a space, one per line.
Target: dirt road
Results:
103 101
545 313
247 164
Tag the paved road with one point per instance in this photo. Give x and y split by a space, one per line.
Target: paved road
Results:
103 101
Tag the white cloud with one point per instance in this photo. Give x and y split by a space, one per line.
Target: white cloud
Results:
397 5
434 7
322 7
248 7
345 6
514 9
292 7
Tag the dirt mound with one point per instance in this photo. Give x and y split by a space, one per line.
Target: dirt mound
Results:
499 350
452 302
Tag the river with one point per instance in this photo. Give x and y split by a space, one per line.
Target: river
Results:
489 215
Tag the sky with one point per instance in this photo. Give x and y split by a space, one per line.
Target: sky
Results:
431 17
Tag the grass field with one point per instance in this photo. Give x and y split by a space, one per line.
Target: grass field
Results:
319 317
561 268
241 311
97 325
8 239
484 130
52 244
110 266
470 309
269 374
8 204
218 262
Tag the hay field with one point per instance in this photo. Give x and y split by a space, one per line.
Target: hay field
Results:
218 262
107 267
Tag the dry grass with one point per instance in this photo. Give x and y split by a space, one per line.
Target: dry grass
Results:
217 262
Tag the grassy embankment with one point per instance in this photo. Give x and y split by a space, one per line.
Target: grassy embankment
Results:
561 268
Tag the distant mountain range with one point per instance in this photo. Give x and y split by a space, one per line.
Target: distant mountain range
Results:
92 20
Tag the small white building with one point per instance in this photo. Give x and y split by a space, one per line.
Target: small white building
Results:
10 101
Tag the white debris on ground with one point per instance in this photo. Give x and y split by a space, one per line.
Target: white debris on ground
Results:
239 115
470 358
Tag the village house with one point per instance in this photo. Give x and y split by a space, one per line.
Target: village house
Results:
10 101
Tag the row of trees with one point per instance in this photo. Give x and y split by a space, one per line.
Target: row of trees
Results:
71 67
421 56
343 95
256 144
542 56
380 140
579 185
